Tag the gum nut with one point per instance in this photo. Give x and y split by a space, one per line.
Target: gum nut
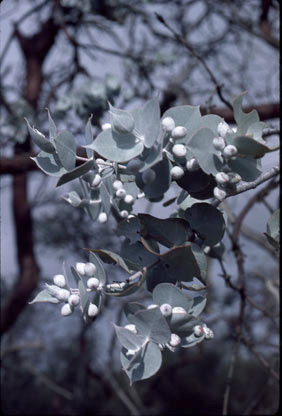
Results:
198 330
179 150
152 306
148 176
106 126
174 340
178 309
59 280
219 143
80 268
168 124
222 178
176 172
166 309
132 328
66 309
117 185
134 165
96 181
63 294
90 269
102 218
223 128
178 132
120 193
128 199
219 193
73 300
92 310
124 213
230 150
192 165
93 283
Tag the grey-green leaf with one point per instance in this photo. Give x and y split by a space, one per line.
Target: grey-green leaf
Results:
49 164
44 296
204 151
66 149
151 323
116 151
169 293
40 140
75 173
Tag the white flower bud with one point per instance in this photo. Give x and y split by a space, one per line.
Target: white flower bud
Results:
148 176
198 330
179 150
234 129
59 280
120 193
174 340
117 185
92 310
234 178
219 193
63 294
124 213
230 151
208 333
99 160
178 309
178 132
73 300
132 328
96 181
219 143
223 128
176 172
152 306
93 283
66 309
134 165
89 269
168 124
192 165
222 178
102 218
166 309
128 199
207 249
106 126
80 268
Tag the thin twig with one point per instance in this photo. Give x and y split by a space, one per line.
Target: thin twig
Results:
198 57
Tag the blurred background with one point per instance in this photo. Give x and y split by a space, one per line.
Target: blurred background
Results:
73 56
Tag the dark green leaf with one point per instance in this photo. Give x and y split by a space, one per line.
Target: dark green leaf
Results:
248 168
207 221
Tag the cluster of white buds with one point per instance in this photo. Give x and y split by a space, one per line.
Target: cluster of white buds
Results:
64 295
200 330
89 270
228 150
120 193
